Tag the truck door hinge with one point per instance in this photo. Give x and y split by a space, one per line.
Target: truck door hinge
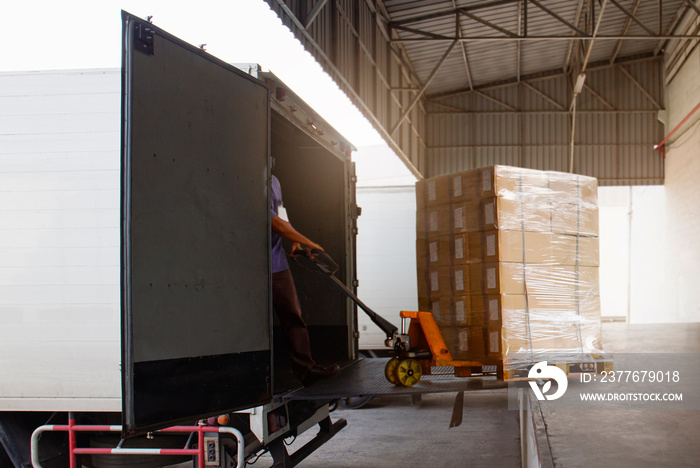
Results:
356 283
356 211
143 38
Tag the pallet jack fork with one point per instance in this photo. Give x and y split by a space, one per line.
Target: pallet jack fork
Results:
416 350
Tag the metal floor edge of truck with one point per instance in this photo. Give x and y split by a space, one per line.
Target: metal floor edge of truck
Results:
365 377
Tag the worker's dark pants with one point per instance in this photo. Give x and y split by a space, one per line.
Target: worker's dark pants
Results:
288 309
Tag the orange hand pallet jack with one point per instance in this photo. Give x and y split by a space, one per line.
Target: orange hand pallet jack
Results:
416 351
428 350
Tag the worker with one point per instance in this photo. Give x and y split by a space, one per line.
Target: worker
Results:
284 294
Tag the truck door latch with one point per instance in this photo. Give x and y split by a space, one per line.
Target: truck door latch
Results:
143 38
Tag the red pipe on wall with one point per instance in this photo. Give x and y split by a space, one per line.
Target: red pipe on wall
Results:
660 146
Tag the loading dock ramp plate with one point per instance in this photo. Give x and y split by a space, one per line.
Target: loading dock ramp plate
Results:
365 377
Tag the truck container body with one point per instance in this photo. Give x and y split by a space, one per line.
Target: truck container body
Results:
138 287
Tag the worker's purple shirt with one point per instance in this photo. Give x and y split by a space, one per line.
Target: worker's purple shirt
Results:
278 256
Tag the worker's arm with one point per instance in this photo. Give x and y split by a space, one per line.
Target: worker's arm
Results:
285 229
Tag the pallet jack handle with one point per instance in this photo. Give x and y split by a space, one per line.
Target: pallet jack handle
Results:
326 265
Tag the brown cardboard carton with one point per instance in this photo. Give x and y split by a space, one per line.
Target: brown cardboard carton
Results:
587 249
564 187
432 192
531 285
424 305
561 249
496 246
467 216
539 279
465 185
547 248
460 246
502 213
525 330
499 181
451 311
555 304
488 307
573 188
589 304
587 292
551 280
454 311
464 343
536 215
443 250
497 278
442 281
575 219
588 190
422 285
434 221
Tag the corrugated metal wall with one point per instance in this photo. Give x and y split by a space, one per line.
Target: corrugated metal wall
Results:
351 45
524 124
616 126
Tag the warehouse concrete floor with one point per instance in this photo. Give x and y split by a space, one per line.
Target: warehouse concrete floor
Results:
390 432
622 438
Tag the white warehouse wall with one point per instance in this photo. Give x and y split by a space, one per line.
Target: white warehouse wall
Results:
386 257
633 254
386 248
683 193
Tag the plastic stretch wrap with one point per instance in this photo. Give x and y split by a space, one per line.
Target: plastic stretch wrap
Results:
508 264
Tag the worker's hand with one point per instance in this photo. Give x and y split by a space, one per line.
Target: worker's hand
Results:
296 250
308 249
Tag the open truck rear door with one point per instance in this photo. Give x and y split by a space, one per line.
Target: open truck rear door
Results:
195 236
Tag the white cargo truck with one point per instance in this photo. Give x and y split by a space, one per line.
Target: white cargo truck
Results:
134 250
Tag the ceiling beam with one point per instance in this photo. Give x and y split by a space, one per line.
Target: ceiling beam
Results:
487 23
580 82
626 28
545 75
498 84
597 95
615 37
418 95
632 17
463 47
567 61
518 52
639 86
692 5
680 14
557 17
542 95
565 113
314 13
495 101
454 11
595 33
420 32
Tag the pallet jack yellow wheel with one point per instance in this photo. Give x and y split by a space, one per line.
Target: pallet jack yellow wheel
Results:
408 372
390 371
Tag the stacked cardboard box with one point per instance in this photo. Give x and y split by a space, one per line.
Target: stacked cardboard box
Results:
508 263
